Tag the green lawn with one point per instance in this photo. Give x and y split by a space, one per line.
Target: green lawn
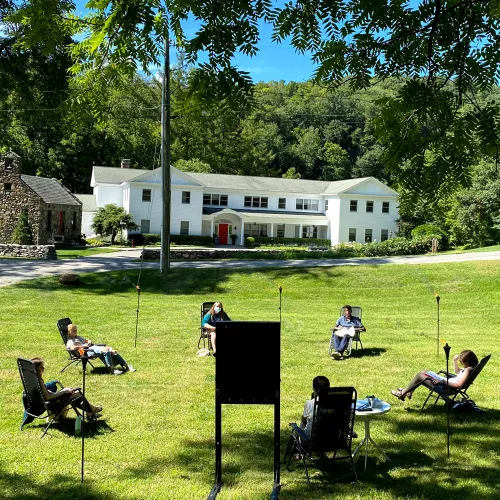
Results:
75 253
157 439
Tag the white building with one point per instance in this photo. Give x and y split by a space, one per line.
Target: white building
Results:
359 210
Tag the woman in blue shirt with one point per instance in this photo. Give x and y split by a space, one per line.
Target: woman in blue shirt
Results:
210 319
345 327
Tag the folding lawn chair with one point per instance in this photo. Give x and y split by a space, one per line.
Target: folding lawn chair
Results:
74 354
450 394
356 312
332 430
204 335
35 404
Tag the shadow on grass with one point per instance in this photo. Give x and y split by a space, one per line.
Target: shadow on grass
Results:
58 487
207 281
367 352
67 426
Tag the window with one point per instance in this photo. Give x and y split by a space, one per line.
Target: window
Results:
368 235
369 206
282 203
384 234
309 231
146 195
305 204
280 230
145 226
186 197
326 205
49 220
184 227
352 234
7 186
354 206
255 201
215 199
253 229
385 207
73 221
9 164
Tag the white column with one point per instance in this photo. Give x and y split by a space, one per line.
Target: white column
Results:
271 233
300 230
212 227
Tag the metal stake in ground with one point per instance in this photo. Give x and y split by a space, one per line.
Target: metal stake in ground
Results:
84 367
438 298
446 349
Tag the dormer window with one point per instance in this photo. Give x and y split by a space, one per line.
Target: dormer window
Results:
9 164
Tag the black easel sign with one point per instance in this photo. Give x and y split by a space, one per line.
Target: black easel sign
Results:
247 379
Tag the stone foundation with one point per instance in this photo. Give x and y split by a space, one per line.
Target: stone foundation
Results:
45 252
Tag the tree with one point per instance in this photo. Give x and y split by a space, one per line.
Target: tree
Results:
337 163
193 165
447 50
111 219
22 234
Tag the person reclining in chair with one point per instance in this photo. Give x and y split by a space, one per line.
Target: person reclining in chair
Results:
344 330
92 412
111 357
467 358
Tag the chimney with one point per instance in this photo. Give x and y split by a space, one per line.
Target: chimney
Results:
125 164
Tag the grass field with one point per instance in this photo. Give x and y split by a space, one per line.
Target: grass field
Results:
157 438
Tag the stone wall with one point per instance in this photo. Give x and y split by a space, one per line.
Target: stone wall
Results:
151 254
46 252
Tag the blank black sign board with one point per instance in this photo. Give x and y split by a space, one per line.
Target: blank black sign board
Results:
247 367
247 371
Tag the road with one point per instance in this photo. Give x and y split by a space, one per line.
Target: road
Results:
15 270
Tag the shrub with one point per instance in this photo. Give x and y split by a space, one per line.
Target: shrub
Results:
426 231
301 242
250 242
175 239
22 234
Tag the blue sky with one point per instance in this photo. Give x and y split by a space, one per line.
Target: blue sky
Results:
273 61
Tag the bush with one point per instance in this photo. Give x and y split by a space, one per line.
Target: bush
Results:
426 231
300 242
250 242
175 239
96 242
22 234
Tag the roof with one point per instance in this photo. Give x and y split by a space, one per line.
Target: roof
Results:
88 202
283 214
277 184
113 175
50 190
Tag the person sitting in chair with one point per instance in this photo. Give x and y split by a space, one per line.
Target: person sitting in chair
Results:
306 421
467 358
92 412
344 330
214 315
110 356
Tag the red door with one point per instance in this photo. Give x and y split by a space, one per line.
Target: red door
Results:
223 229
60 225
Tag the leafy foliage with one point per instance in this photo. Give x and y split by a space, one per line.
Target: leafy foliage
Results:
111 219
23 233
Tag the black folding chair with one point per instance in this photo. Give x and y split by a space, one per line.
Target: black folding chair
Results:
205 339
450 394
74 354
332 430
35 404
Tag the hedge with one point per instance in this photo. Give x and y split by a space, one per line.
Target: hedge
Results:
178 239
280 242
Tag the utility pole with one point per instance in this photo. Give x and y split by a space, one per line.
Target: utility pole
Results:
165 161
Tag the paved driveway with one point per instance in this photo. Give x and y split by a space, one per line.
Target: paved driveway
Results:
15 270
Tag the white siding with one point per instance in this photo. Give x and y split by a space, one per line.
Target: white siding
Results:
107 193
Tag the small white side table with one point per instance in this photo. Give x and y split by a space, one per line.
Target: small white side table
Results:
367 416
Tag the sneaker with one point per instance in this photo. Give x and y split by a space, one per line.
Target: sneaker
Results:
336 355
130 369
117 372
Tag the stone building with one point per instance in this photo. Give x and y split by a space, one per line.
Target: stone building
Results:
53 212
